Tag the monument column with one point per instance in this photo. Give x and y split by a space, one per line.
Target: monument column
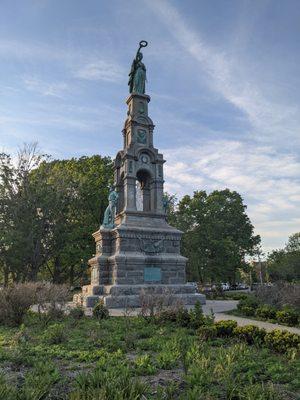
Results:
129 193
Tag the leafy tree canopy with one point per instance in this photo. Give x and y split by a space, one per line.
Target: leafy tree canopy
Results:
217 234
284 264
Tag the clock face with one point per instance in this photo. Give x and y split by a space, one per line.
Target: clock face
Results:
145 158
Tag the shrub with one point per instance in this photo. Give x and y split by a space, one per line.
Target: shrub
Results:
15 301
280 294
287 316
183 317
206 332
51 300
266 311
196 316
249 301
144 366
236 296
169 314
22 337
55 334
100 311
77 312
250 333
53 314
282 341
247 310
225 328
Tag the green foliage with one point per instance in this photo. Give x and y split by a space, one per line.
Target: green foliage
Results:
248 305
206 332
95 363
112 383
287 316
225 328
55 334
265 311
144 365
36 386
217 234
282 341
249 301
47 211
197 317
76 312
250 333
100 311
284 264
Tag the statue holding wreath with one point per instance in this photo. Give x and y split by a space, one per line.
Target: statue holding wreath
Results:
137 75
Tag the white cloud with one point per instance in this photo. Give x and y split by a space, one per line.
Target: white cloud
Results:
54 89
100 70
267 180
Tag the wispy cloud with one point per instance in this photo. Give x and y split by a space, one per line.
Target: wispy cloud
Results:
54 89
227 75
268 179
100 70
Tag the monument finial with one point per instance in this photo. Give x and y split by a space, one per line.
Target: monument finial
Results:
137 75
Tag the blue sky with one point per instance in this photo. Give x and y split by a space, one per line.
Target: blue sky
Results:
223 77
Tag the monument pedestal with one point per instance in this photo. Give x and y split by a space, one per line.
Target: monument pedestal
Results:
131 261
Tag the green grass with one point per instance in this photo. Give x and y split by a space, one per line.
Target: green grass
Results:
131 358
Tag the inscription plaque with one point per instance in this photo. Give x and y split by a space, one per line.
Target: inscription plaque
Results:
152 274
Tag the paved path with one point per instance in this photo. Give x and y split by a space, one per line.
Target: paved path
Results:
221 306
261 324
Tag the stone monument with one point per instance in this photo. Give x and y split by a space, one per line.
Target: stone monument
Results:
136 249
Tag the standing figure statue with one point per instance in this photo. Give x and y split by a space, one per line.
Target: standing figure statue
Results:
137 75
110 212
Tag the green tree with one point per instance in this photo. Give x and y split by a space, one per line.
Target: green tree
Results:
284 264
48 210
23 231
217 234
85 183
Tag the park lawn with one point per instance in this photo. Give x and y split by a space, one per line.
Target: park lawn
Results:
134 358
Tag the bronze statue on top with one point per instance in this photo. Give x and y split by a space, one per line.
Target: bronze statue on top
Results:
137 75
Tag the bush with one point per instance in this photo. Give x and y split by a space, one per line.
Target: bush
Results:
280 294
53 314
236 296
287 316
183 317
144 365
207 332
282 341
225 328
249 301
76 312
247 310
266 311
196 316
100 311
15 301
55 334
51 300
250 333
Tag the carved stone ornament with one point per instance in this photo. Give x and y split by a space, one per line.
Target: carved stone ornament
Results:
152 246
141 136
